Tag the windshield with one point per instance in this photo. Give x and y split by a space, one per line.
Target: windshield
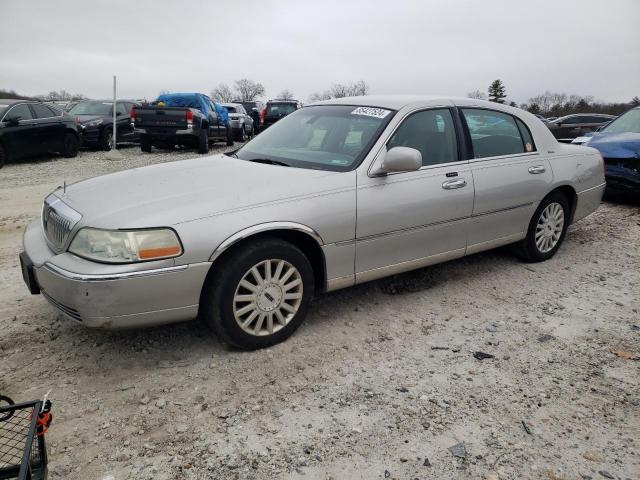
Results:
325 137
230 109
92 108
627 122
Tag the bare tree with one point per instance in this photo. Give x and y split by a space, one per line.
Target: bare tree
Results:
477 94
285 95
248 90
222 93
341 90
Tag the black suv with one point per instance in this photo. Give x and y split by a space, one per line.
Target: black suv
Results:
29 128
96 122
569 127
277 109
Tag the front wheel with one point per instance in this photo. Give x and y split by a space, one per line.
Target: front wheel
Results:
547 229
258 296
70 145
229 137
106 139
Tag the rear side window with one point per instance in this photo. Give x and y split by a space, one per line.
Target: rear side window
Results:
42 111
121 108
529 146
494 133
432 133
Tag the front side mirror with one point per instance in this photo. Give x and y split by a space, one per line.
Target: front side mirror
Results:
399 159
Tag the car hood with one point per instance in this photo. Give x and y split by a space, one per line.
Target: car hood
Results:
616 145
182 191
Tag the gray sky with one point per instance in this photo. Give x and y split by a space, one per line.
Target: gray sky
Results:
587 47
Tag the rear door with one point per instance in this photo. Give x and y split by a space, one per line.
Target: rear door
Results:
509 175
48 128
19 133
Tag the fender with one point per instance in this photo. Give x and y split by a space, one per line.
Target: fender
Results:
260 228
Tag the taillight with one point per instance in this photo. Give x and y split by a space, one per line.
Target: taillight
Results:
262 113
189 116
133 113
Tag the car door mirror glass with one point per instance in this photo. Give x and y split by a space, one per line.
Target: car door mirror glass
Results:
399 159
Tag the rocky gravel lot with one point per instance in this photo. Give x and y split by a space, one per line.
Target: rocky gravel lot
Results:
380 382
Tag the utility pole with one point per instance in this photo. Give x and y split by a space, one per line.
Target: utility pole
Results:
114 154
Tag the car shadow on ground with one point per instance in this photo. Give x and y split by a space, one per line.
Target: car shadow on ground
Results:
193 342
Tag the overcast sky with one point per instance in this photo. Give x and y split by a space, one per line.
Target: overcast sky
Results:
587 47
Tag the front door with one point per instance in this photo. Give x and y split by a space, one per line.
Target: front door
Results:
412 219
48 128
509 175
19 133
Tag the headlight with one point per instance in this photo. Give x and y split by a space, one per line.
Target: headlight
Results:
126 246
93 123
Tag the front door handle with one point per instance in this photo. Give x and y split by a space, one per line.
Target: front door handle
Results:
537 169
451 184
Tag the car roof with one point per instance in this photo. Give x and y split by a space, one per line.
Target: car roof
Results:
11 101
278 100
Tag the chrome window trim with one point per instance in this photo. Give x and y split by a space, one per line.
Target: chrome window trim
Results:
14 106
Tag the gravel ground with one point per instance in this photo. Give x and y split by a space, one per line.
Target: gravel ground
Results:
380 382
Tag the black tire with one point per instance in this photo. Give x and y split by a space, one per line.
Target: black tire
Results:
70 145
3 156
252 133
203 141
243 135
5 402
229 137
216 303
106 139
145 143
527 249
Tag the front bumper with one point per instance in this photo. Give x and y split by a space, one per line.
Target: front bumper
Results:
622 178
111 296
90 135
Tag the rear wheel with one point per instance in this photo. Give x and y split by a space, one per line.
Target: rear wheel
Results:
145 143
70 145
547 229
106 139
243 135
260 295
203 142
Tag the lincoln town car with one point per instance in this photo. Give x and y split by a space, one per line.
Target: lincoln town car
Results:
337 193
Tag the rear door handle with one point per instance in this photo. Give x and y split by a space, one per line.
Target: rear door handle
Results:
451 184
537 169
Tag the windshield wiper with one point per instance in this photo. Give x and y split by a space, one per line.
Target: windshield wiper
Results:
269 161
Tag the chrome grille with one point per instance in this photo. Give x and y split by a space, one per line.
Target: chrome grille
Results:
58 219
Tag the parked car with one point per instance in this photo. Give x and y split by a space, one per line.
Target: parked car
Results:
275 110
241 122
95 118
619 144
337 193
29 128
253 108
191 119
569 127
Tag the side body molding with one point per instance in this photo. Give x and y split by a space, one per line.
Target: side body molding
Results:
260 228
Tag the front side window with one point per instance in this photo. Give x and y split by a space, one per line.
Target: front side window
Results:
494 133
324 137
19 112
432 133
280 108
121 108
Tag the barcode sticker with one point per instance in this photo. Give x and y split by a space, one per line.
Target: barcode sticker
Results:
371 112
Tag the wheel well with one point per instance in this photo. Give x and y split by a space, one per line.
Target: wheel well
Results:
572 198
70 130
307 244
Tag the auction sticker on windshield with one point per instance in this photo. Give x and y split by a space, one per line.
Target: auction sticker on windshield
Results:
371 112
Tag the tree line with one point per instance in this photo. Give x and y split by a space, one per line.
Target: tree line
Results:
555 104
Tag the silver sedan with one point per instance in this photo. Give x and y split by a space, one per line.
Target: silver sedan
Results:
338 193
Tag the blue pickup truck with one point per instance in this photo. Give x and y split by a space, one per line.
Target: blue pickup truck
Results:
190 119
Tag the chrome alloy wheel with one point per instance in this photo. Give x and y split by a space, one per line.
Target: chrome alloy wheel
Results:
549 227
268 297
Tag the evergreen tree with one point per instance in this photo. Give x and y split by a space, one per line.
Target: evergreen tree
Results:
497 91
